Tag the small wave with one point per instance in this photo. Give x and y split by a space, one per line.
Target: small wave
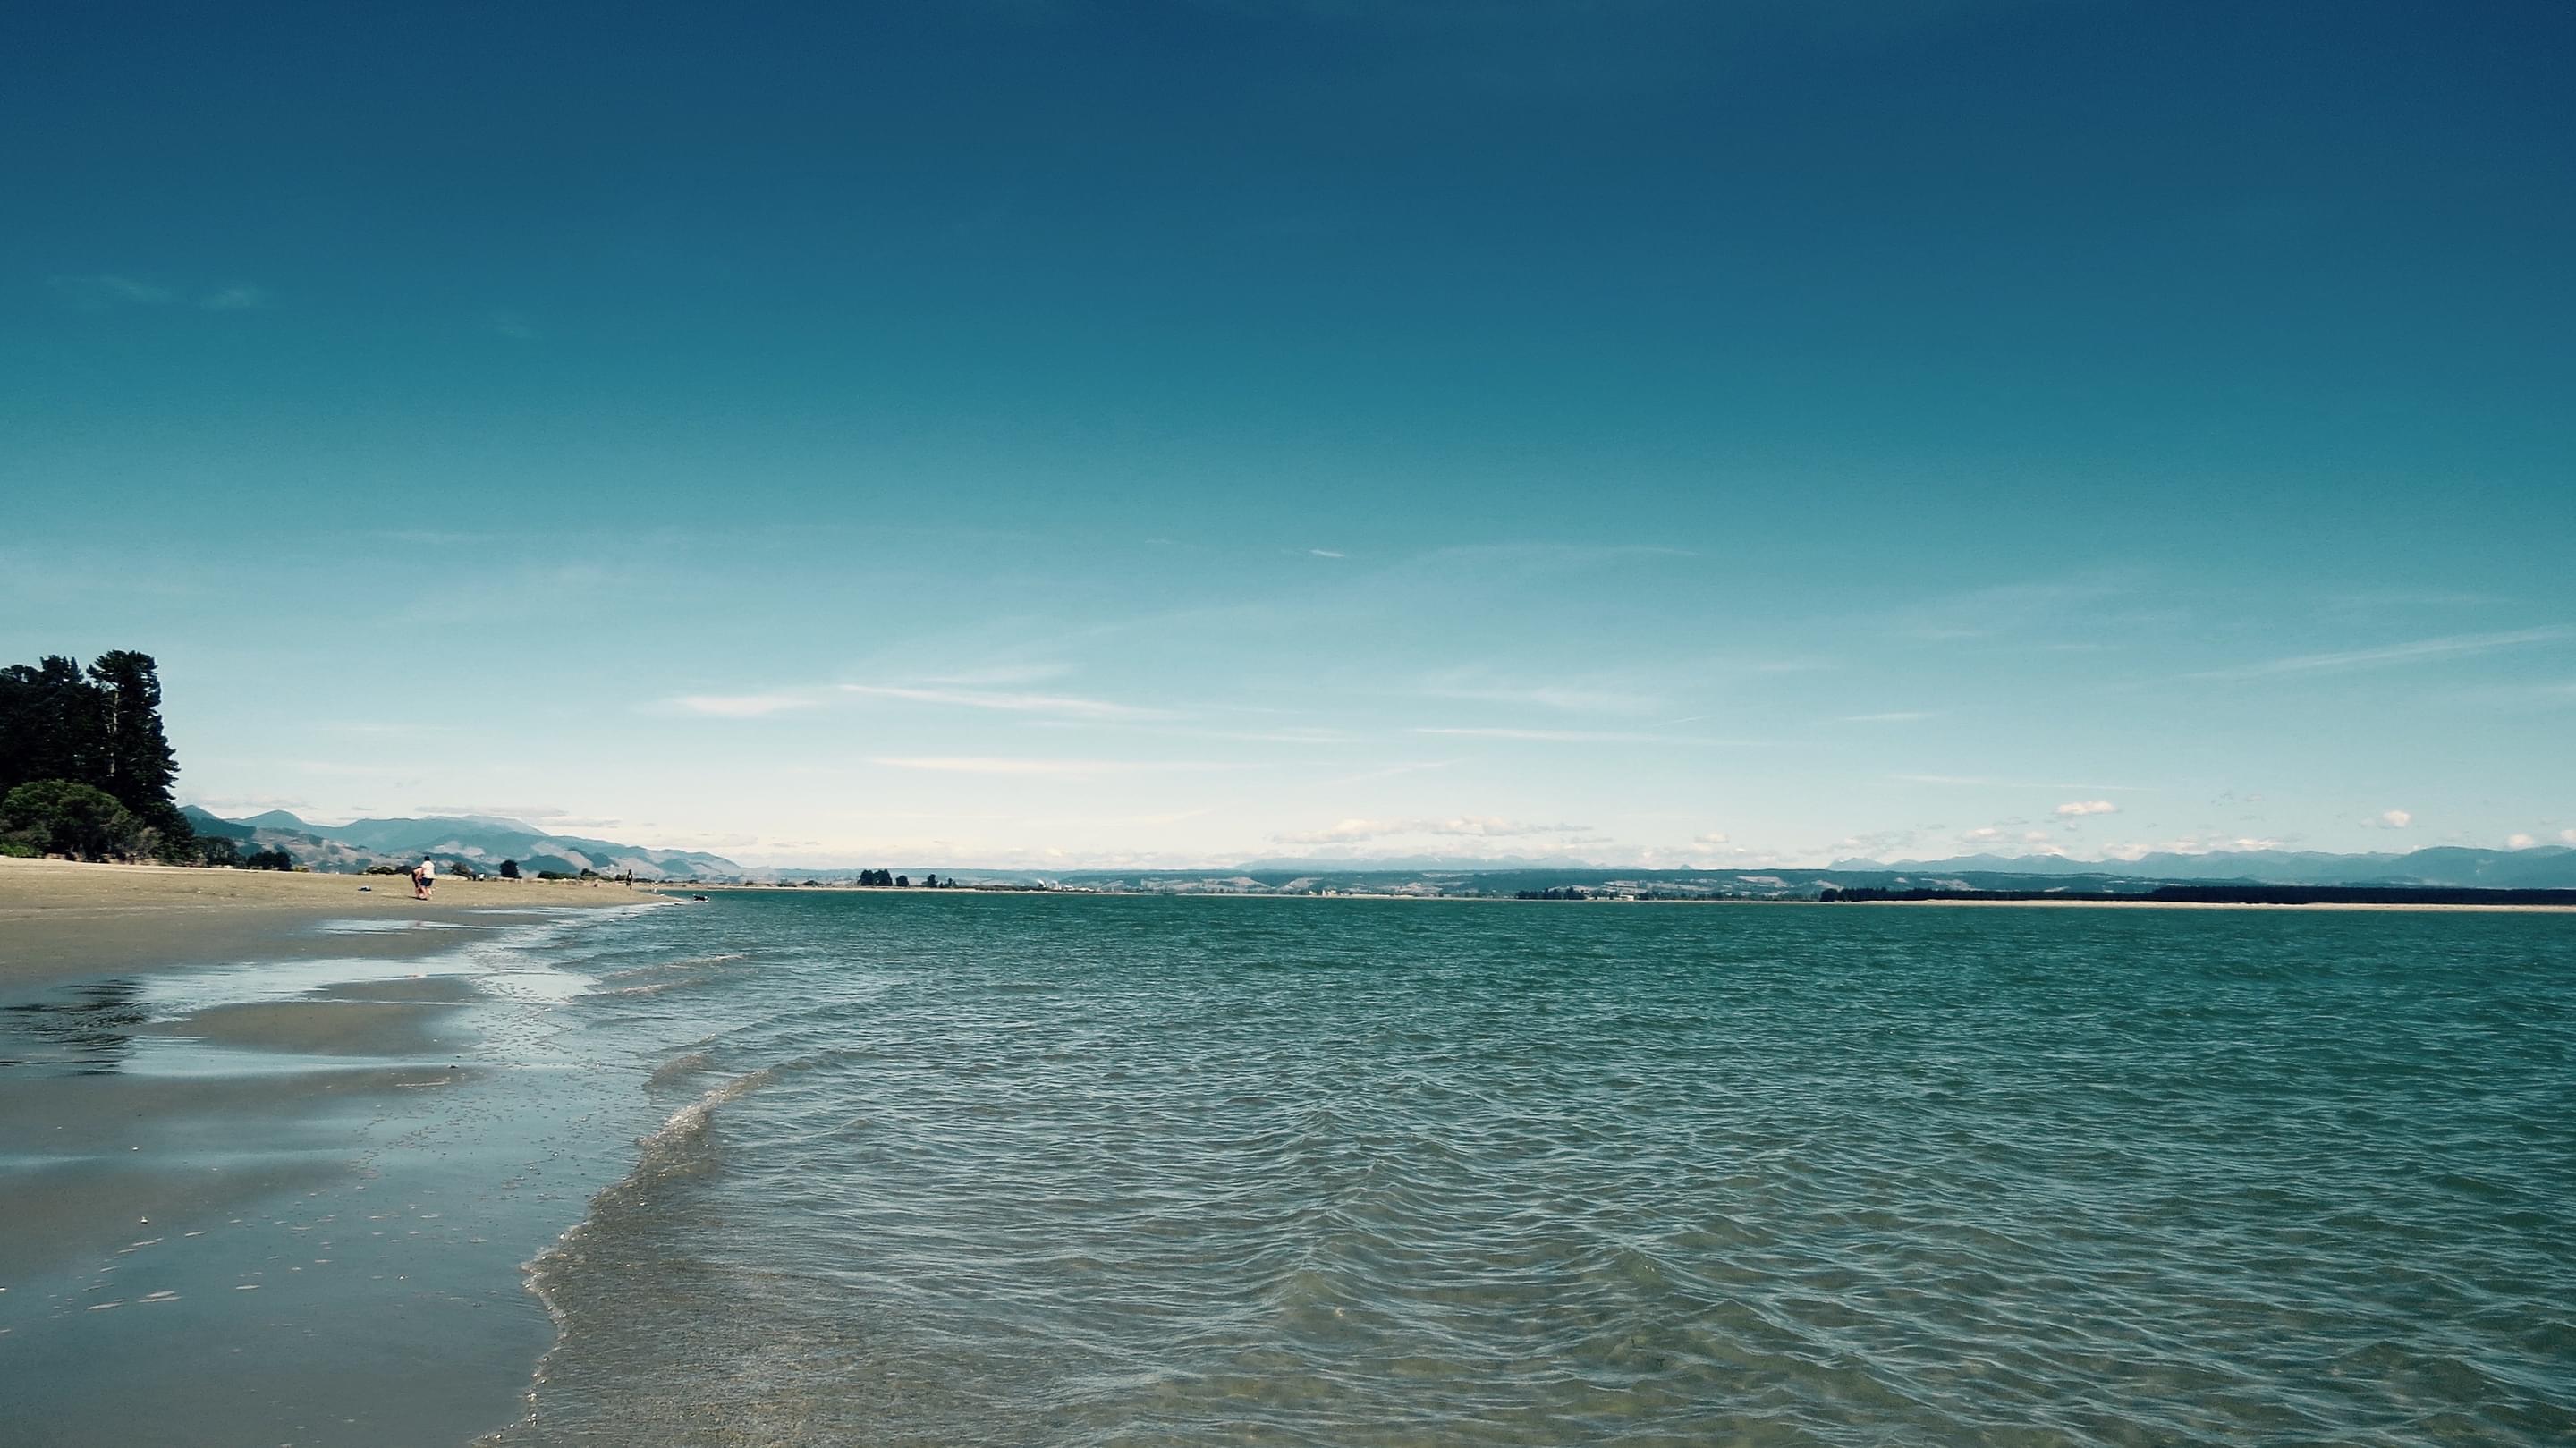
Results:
673 1145
677 1068
648 988
676 1147
667 967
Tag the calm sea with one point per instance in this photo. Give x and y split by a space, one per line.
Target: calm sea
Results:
971 1169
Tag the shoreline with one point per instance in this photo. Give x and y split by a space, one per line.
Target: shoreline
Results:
275 1151
2141 903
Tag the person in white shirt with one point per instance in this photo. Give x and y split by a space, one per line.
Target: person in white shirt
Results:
423 876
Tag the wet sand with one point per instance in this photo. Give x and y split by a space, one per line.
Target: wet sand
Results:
266 1174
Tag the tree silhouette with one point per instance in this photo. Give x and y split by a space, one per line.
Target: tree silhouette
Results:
102 729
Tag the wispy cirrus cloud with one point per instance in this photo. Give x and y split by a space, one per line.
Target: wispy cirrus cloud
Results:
1483 827
1390 771
742 706
761 703
1551 696
2418 651
2077 809
2015 608
1575 695
1991 782
1061 705
1069 768
1587 736
99 290
1285 734
998 675
496 811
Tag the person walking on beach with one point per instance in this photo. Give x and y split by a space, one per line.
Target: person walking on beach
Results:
423 876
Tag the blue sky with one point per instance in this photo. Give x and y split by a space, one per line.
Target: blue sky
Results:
1014 432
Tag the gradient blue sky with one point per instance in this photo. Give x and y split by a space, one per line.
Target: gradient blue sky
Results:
1013 432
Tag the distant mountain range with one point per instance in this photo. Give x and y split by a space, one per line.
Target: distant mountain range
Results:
2445 867
2546 867
482 842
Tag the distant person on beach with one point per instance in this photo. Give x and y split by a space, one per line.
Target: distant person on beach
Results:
423 876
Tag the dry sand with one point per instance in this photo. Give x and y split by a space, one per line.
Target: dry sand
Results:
63 921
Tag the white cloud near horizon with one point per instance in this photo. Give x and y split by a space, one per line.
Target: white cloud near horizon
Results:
2190 846
2077 808
2393 819
1465 826
528 812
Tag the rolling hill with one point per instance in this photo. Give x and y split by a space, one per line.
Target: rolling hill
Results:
481 842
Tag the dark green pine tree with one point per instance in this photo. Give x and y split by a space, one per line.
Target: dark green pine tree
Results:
49 725
136 762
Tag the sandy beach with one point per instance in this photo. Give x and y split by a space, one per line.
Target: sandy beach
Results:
62 921
258 1128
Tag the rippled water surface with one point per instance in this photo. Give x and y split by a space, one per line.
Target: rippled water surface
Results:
1026 1170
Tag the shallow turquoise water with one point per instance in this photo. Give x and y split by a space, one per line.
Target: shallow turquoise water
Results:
1024 1170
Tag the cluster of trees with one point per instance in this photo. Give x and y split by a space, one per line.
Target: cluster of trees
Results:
900 882
216 850
85 769
1569 892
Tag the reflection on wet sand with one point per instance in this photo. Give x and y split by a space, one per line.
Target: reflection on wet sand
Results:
83 1029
